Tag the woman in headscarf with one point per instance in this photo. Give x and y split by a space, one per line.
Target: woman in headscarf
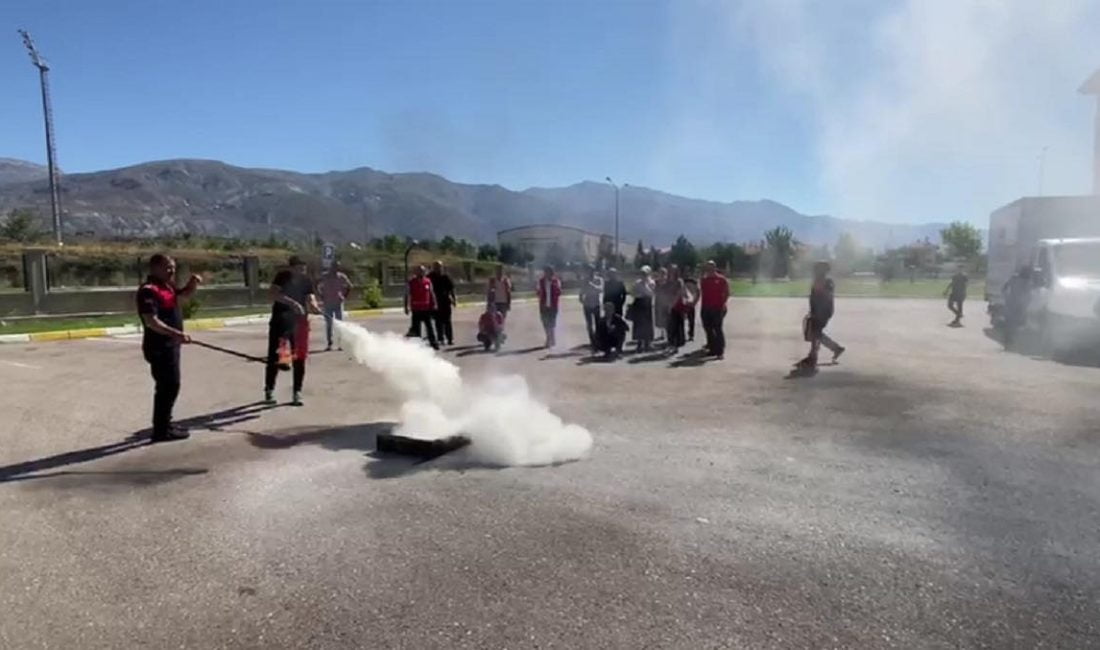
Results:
641 310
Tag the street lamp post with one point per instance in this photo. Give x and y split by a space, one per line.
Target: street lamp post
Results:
47 114
412 244
615 244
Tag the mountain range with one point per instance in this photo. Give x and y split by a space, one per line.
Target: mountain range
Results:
214 198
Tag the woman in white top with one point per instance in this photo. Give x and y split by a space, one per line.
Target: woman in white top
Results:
641 310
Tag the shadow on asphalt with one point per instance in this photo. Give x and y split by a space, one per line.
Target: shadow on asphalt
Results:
509 353
1027 344
362 437
215 421
128 478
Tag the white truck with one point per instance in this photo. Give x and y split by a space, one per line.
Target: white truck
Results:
1058 239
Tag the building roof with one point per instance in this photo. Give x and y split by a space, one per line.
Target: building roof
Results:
549 225
1091 85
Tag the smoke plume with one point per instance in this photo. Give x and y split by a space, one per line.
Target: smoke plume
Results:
504 422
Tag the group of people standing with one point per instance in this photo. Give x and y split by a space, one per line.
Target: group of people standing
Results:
665 305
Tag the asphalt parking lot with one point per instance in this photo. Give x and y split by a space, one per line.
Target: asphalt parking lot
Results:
932 490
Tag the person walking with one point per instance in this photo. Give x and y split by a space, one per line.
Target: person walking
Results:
549 293
420 302
691 288
821 312
444 289
714 292
614 291
956 294
591 297
641 309
158 306
335 287
293 298
500 291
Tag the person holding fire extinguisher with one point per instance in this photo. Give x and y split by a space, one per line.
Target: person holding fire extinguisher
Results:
293 298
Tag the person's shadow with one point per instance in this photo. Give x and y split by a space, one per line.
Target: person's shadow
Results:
39 468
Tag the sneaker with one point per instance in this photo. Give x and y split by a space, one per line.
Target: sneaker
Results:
269 397
836 355
296 398
328 348
171 434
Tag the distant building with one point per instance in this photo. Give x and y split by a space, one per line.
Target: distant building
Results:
556 244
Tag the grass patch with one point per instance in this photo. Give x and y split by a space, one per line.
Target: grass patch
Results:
52 324
852 287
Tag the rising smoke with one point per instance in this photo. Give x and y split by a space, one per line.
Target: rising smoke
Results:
505 423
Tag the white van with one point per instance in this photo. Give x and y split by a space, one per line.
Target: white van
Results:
1065 297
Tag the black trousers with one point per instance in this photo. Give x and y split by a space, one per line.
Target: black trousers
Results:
591 316
712 327
674 332
423 318
691 323
164 364
443 328
955 304
275 333
549 316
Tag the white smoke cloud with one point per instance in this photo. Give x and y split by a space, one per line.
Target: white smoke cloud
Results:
505 423
920 104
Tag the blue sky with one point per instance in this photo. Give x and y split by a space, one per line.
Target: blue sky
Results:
906 110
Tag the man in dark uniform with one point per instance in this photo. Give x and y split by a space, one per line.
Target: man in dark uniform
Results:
158 305
293 298
444 289
956 294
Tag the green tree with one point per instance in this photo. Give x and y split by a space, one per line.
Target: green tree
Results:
20 226
640 256
487 253
508 254
779 250
447 244
683 254
962 239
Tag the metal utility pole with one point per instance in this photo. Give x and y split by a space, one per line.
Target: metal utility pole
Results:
47 112
615 245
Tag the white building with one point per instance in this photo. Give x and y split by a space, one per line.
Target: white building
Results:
549 242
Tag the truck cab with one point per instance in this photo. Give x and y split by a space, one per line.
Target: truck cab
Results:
1065 293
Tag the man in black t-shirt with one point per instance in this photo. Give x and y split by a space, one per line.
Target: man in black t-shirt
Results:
444 289
293 298
158 305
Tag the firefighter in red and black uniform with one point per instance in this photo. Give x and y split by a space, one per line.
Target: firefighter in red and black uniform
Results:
158 305
293 299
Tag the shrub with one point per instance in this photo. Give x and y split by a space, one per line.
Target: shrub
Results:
190 307
372 294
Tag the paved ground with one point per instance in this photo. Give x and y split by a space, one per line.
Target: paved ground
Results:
931 491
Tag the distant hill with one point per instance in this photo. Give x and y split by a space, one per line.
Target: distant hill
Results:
20 171
661 217
211 197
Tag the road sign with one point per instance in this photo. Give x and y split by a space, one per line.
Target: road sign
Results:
328 255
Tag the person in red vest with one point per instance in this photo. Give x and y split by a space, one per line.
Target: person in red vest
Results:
549 290
158 305
714 291
420 301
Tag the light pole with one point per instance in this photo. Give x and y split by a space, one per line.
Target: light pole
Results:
408 249
615 244
47 113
